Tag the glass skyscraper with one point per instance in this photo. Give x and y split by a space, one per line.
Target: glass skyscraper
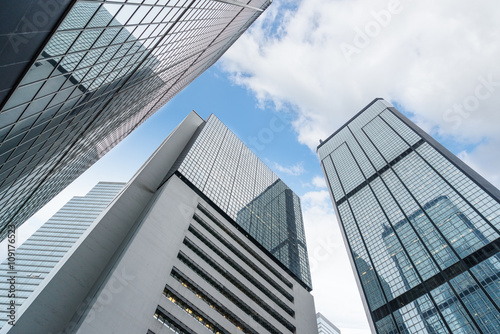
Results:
226 171
41 253
79 76
203 239
421 227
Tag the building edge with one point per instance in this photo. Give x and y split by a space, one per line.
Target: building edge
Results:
39 310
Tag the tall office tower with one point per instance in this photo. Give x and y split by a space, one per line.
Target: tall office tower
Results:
204 239
420 226
325 326
78 76
37 257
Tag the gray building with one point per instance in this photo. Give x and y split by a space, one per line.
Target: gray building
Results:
37 257
78 76
325 326
421 227
171 254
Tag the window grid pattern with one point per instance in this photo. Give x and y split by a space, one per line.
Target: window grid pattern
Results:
412 224
38 255
107 68
241 185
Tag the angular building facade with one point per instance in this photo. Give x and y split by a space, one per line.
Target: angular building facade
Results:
193 244
420 226
79 76
325 326
37 257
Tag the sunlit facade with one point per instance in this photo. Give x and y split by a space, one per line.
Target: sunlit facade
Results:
421 227
79 76
165 257
250 193
41 253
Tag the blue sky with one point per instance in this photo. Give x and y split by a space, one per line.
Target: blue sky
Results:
267 132
287 82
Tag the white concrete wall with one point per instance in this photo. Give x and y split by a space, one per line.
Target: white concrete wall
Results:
127 305
113 279
68 289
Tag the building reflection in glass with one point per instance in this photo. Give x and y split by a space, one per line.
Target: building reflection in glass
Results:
273 218
450 299
250 193
101 73
423 222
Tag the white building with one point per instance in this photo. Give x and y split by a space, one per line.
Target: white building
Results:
168 256
325 326
37 257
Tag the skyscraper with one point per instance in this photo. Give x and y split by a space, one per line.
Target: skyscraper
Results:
420 226
79 76
195 242
325 326
41 253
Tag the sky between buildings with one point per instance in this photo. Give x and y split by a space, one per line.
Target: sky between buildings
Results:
304 69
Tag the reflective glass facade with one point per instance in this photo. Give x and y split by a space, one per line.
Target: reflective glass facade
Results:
241 185
103 70
41 253
421 227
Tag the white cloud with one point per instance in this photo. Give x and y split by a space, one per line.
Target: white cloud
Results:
335 292
484 161
436 59
294 170
319 182
433 58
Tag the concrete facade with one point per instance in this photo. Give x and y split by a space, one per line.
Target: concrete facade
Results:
161 259
41 253
146 266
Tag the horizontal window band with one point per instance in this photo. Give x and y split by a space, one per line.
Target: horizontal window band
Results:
241 271
193 311
244 245
240 256
439 279
184 258
380 171
210 300
171 322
